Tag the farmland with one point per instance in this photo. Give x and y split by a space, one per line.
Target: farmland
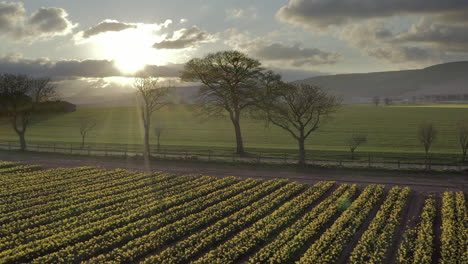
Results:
91 215
391 132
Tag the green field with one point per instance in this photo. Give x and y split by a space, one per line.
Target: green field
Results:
391 131
90 215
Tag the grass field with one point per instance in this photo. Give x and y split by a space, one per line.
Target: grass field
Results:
89 215
391 132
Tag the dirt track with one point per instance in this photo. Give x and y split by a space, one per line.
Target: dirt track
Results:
418 181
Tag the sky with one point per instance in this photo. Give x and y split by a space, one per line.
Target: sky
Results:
88 45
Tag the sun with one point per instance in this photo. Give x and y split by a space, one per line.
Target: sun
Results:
130 49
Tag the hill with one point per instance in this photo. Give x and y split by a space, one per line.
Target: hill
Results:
442 79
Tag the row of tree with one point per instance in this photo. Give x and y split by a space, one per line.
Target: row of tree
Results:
235 86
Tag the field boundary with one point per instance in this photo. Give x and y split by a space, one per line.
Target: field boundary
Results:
113 150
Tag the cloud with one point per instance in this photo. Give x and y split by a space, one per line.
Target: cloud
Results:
401 54
375 40
278 53
239 13
320 14
294 54
106 26
449 37
109 25
10 15
44 23
185 38
77 68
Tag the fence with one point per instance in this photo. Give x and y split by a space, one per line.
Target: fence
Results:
208 155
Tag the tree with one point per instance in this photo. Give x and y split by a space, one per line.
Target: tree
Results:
21 98
86 125
355 141
376 100
229 81
151 97
463 137
158 131
427 134
299 109
387 101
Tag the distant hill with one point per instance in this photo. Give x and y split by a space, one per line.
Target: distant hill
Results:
441 79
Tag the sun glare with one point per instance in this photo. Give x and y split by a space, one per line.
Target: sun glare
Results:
131 49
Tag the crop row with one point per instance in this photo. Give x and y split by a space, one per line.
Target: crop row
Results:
418 243
287 244
144 245
216 233
454 229
170 188
331 243
376 240
34 249
121 234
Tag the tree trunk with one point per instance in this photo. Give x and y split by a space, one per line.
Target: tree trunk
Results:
352 154
82 141
159 145
22 141
237 129
146 143
302 151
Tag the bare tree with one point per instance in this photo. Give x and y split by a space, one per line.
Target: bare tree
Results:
87 124
387 101
229 81
376 100
22 97
355 141
158 131
151 97
299 109
427 134
463 137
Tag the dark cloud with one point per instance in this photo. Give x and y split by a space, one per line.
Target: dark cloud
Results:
78 68
185 38
377 41
106 26
10 15
277 53
294 54
320 14
401 54
449 37
43 23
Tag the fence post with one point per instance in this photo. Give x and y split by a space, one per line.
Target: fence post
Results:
259 157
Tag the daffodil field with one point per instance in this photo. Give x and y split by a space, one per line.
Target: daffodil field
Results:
92 215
